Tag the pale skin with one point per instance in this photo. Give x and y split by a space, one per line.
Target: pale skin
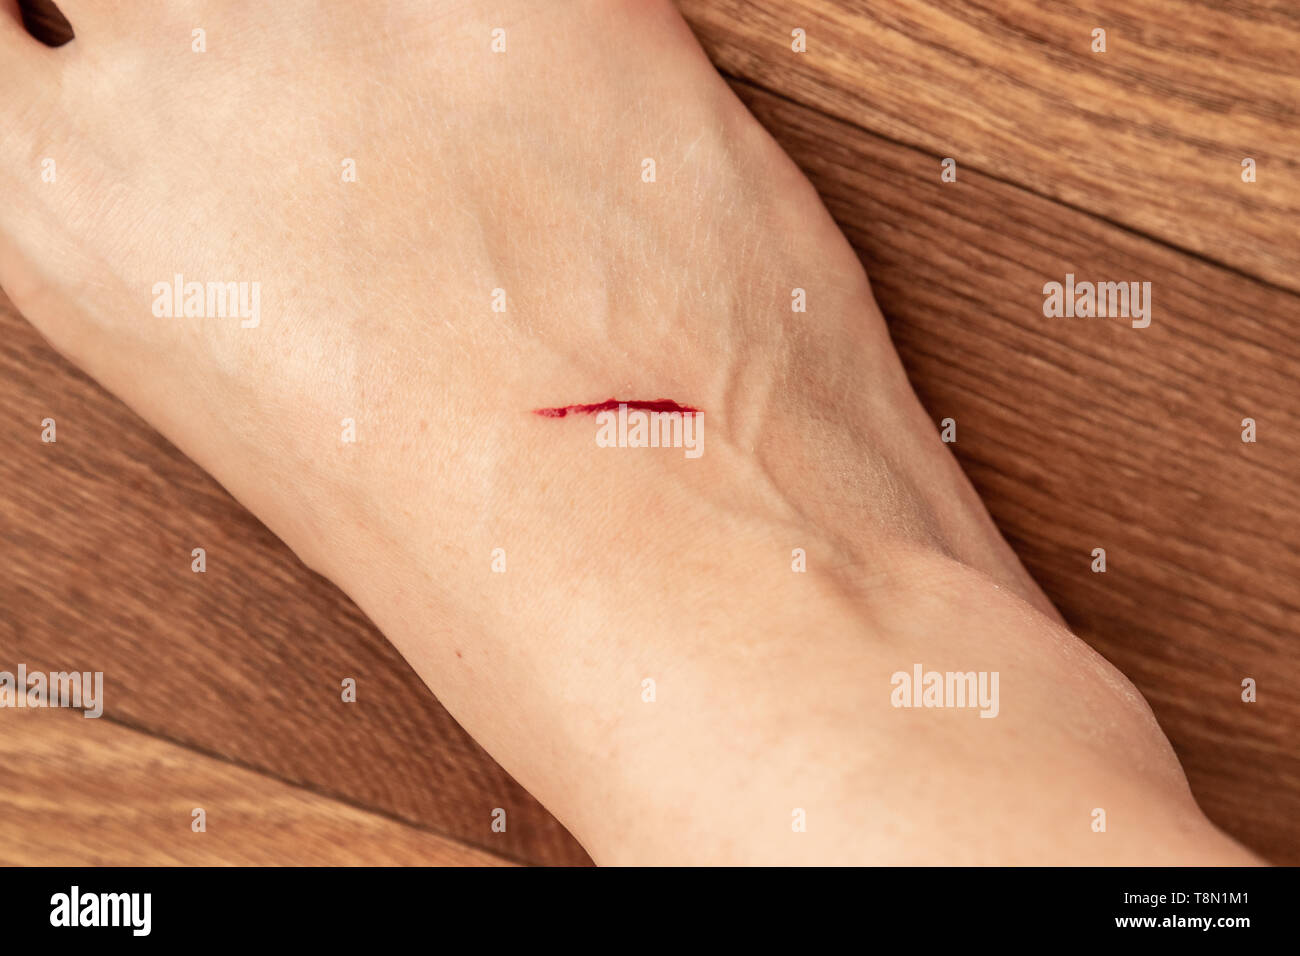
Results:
522 171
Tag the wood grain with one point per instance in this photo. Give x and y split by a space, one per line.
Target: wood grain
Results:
79 792
1149 134
1086 433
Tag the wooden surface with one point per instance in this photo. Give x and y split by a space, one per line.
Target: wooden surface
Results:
1078 433
1149 135
92 792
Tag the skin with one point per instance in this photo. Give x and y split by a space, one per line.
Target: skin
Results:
522 171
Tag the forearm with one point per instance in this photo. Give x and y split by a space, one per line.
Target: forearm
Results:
772 694
538 596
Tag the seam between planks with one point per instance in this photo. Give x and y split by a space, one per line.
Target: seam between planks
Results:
736 80
313 789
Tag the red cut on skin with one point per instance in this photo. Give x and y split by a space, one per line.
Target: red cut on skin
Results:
611 405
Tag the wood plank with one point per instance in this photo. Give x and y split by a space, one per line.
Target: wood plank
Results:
245 660
79 792
1085 433
1149 134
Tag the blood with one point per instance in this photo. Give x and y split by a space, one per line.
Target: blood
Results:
612 404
